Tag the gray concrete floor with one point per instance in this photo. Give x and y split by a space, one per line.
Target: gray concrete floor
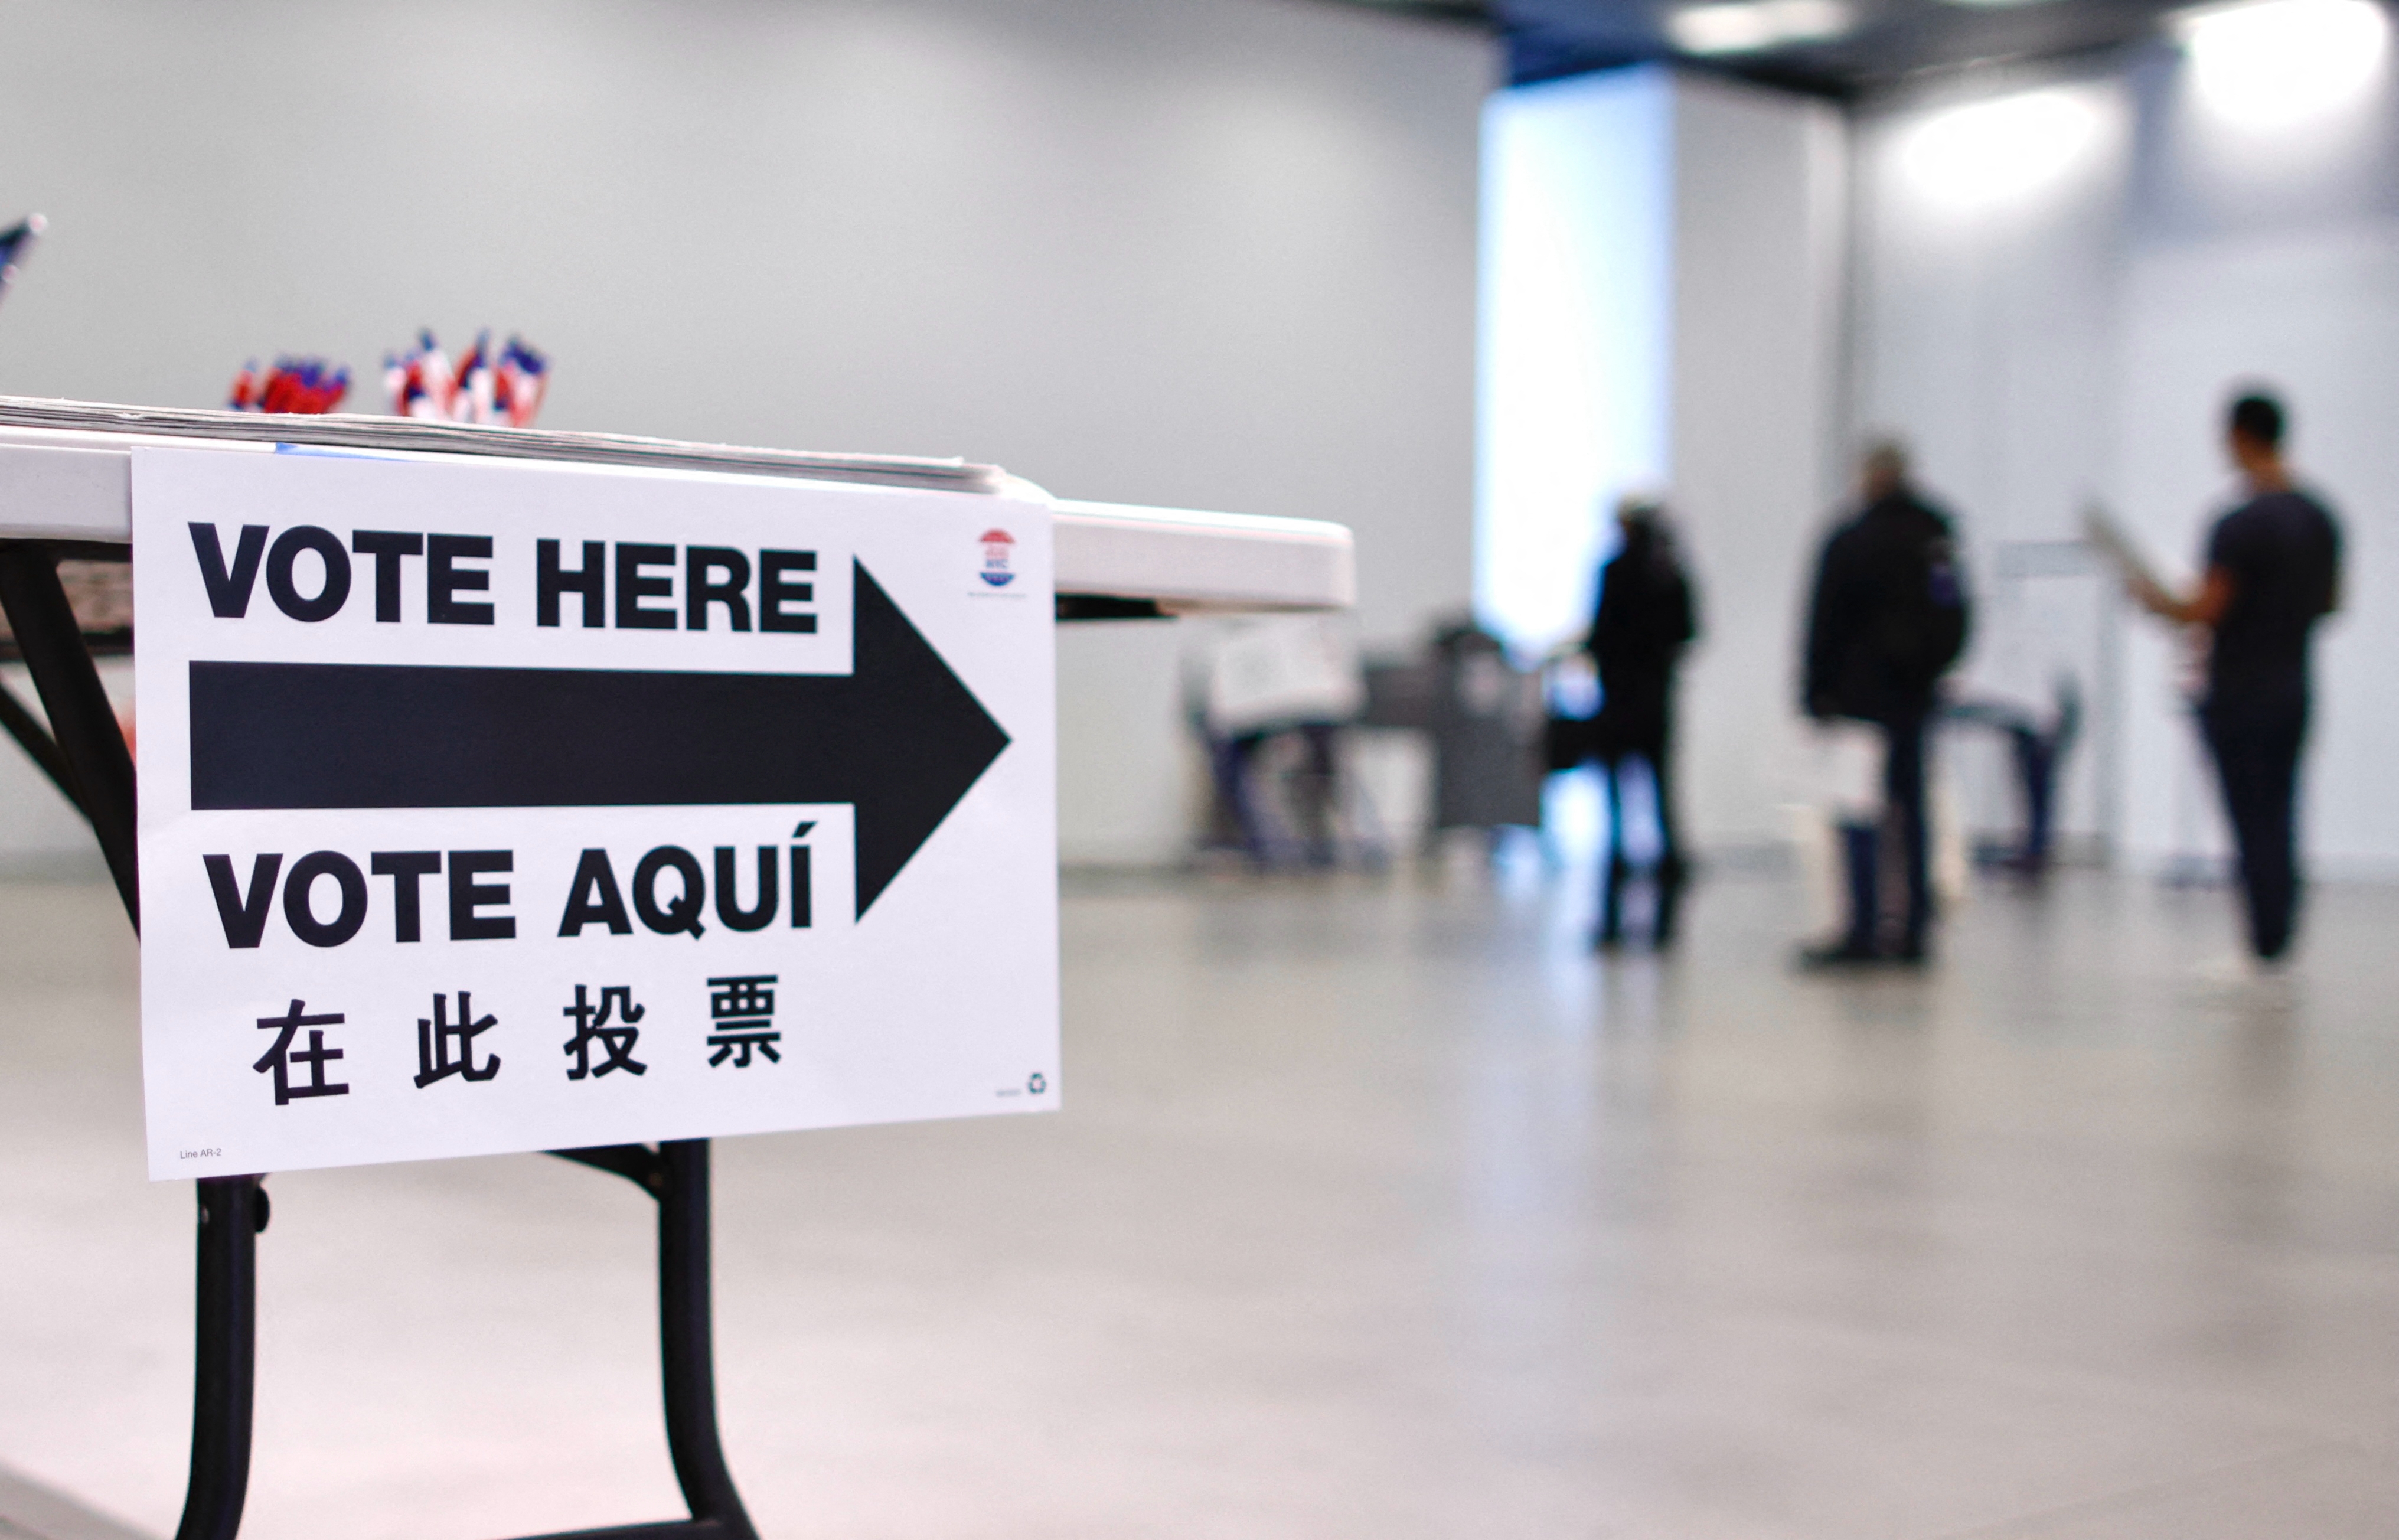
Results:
1378 1210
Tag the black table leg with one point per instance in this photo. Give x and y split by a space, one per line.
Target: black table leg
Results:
33 737
676 1175
85 755
233 1211
88 761
82 721
687 1340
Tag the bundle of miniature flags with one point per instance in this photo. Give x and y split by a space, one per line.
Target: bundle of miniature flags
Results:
481 388
294 384
15 242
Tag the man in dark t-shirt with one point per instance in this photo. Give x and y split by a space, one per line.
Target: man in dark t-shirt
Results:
2274 571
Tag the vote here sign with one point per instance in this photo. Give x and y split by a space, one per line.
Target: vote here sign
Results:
492 806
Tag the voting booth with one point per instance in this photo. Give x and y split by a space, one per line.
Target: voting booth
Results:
510 790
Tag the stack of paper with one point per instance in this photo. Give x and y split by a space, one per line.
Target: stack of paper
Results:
416 436
2100 527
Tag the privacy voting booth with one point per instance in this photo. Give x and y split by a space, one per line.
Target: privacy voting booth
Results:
515 791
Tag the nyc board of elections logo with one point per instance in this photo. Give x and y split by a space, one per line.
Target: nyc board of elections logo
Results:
489 807
999 549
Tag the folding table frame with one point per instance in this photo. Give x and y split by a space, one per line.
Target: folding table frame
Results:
65 493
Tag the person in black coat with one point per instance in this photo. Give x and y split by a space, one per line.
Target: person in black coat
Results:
1644 620
1888 618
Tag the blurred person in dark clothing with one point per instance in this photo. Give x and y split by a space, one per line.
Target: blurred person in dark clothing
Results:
1888 618
1644 620
2274 571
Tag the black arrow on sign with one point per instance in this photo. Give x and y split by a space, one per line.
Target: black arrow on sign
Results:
900 738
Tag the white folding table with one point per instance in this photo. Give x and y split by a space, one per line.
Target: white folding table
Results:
66 491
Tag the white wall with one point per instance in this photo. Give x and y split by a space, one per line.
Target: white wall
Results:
1987 335
1760 202
1210 253
2065 317
1662 300
1579 202
2318 314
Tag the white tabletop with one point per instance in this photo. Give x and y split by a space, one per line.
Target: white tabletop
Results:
67 474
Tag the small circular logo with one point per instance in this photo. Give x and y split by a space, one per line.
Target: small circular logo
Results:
998 550
1036 1083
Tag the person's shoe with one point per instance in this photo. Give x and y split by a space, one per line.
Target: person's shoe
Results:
1609 940
1912 953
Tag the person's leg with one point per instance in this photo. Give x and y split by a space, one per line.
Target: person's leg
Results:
2289 748
1232 758
1903 796
2256 762
2275 890
1320 799
2241 771
1224 768
1671 872
1612 865
1860 850
1862 853
2033 760
1659 752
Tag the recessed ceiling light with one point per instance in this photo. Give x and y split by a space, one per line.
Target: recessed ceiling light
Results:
1720 28
1995 151
1809 21
1751 26
2271 62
